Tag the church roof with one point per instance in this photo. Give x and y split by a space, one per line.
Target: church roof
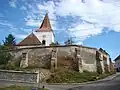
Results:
30 40
45 26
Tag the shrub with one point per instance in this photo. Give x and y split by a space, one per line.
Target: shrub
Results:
13 65
14 87
72 77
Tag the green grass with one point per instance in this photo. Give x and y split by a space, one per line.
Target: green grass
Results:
75 77
13 87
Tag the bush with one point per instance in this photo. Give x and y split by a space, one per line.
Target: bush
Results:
5 57
13 65
75 77
72 77
14 87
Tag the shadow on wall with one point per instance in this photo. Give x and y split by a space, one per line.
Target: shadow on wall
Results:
66 63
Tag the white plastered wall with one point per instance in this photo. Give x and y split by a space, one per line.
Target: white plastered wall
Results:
49 37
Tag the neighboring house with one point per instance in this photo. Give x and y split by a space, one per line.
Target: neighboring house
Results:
117 63
112 66
43 36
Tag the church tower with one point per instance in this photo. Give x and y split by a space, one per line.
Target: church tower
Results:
44 35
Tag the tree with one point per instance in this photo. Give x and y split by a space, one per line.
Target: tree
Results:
54 43
69 42
9 41
4 56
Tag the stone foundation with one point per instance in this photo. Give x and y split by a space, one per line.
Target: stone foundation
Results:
18 76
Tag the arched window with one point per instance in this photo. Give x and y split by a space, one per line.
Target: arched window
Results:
43 42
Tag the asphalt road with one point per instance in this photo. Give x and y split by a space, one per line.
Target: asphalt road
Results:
113 84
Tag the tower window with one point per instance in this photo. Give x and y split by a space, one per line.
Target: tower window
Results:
43 42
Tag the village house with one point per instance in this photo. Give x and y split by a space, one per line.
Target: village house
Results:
117 63
35 51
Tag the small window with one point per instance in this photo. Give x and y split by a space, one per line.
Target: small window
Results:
43 42
24 55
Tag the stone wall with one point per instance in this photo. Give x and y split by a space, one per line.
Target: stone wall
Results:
18 76
39 58
88 57
105 61
84 59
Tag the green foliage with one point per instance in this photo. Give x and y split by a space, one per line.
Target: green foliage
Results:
14 65
4 56
54 44
9 41
75 77
14 87
72 77
69 42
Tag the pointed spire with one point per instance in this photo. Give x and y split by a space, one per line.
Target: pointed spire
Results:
45 26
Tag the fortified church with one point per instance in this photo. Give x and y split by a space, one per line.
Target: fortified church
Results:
35 51
44 35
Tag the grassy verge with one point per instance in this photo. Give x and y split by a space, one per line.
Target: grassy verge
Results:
75 77
13 87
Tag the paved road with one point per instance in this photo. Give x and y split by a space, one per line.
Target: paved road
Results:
113 84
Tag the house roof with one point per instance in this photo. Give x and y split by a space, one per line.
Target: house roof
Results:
30 40
118 57
45 26
103 51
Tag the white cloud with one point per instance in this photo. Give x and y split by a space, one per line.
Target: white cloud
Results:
33 22
12 3
37 12
83 31
23 8
20 36
26 30
96 15
49 7
99 14
5 23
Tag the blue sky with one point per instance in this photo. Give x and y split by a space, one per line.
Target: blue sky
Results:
94 23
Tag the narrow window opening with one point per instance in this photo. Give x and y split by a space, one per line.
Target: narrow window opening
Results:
43 42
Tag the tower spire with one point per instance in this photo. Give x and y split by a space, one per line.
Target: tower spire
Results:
45 26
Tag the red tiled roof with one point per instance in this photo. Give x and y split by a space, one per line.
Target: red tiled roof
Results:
30 40
45 26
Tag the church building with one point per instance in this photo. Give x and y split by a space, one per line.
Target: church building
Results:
44 35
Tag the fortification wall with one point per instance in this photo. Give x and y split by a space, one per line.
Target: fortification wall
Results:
41 56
